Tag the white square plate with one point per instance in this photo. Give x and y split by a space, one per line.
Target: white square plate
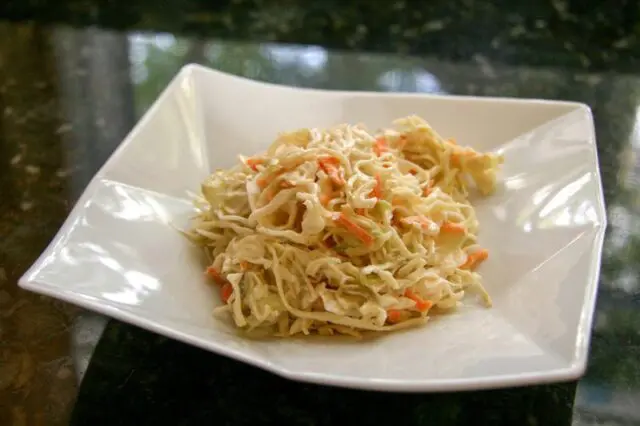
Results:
118 253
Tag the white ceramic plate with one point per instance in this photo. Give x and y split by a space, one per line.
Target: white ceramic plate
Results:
118 254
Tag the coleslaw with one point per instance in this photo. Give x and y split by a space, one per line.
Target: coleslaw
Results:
339 231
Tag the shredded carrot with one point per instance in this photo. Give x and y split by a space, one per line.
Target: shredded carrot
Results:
361 212
457 156
428 189
410 294
380 147
216 276
262 182
336 177
331 166
394 315
451 227
413 172
421 304
455 160
330 160
225 292
475 258
377 190
358 231
324 199
254 162
286 184
244 265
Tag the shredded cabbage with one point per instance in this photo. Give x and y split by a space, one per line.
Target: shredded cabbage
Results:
339 231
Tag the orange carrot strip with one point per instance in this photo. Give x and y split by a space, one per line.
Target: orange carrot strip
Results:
216 276
336 177
451 227
421 304
225 292
329 161
254 162
286 184
361 212
324 199
474 259
377 190
410 294
457 156
330 165
358 231
244 265
428 189
380 147
394 315
264 181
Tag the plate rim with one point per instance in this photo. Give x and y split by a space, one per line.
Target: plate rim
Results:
572 371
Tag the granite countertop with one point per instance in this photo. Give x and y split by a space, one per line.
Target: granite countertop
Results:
589 34
68 96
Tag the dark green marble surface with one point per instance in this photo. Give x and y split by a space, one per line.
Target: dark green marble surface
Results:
138 378
590 34
69 95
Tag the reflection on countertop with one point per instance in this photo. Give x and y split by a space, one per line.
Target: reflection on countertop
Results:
590 34
69 96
